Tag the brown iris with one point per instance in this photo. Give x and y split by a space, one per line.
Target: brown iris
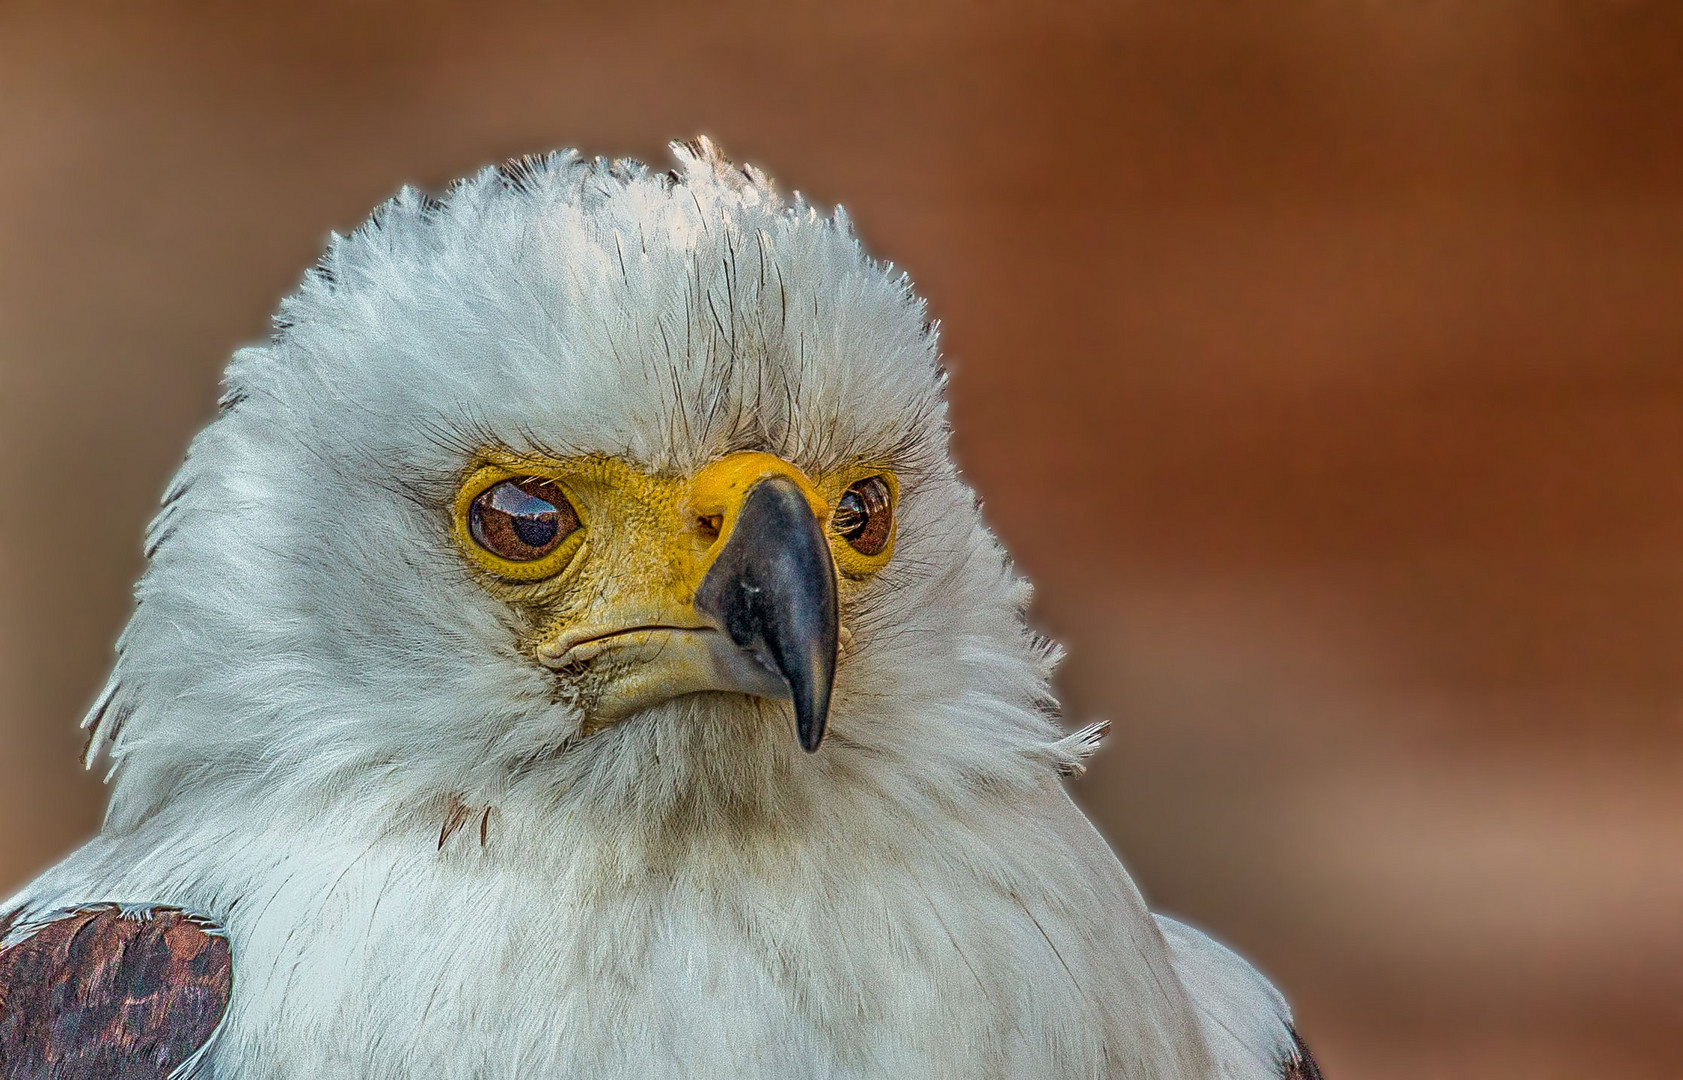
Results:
864 516
521 520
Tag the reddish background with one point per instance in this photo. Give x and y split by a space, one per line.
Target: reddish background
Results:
1319 360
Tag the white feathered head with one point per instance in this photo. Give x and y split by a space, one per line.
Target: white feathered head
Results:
606 485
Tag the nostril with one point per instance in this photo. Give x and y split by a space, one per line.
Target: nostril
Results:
708 525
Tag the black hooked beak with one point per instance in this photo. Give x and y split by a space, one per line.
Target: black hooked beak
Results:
773 589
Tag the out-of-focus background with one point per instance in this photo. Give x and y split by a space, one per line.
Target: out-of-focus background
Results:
1322 362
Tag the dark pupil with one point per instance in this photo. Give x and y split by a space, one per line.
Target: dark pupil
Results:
533 520
849 517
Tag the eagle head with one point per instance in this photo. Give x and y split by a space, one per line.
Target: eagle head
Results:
586 484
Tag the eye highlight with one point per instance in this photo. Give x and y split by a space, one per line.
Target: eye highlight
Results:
864 516
521 520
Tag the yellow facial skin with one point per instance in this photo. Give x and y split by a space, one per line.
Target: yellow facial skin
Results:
612 608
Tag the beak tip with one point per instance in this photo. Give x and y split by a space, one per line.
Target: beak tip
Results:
811 732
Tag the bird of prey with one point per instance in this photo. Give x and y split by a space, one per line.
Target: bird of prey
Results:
571 652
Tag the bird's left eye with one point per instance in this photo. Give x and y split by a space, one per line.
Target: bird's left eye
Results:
864 516
521 520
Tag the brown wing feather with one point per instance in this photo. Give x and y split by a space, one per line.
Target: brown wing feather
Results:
108 993
1301 1065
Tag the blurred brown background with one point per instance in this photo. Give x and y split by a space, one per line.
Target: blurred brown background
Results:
1321 361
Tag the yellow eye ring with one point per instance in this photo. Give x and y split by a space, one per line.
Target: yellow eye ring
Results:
520 526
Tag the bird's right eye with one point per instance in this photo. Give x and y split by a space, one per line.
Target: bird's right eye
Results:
521 520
